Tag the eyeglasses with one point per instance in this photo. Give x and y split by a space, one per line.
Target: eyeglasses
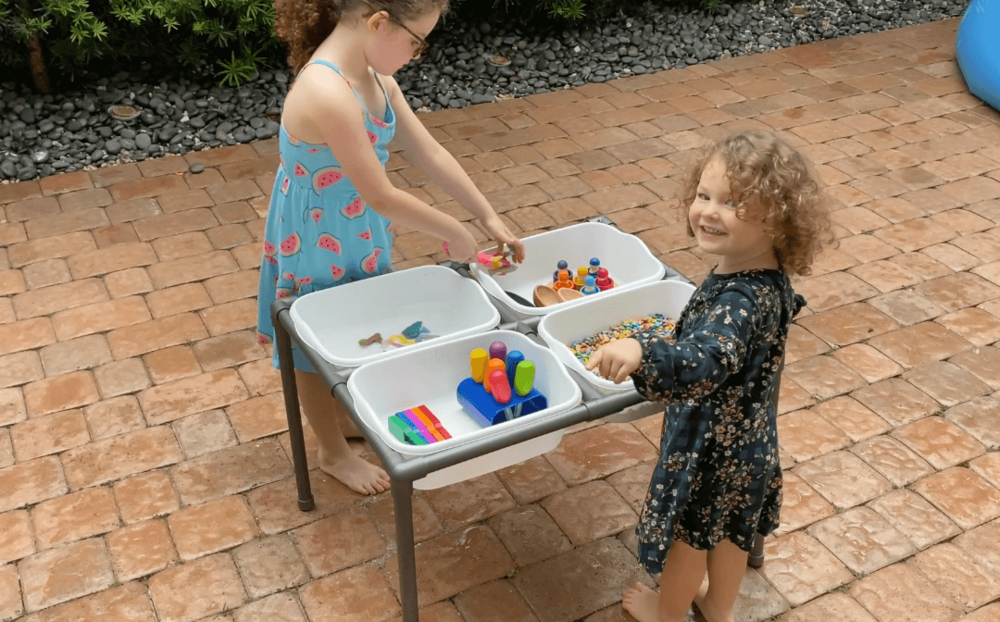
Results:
423 45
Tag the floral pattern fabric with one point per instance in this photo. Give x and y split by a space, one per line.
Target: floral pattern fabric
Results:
718 475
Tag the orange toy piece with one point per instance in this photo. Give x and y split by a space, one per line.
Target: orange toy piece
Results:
564 282
492 366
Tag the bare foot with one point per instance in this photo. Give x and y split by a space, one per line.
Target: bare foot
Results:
705 607
642 603
356 473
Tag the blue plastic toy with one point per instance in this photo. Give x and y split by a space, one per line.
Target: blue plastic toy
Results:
519 397
487 411
978 50
513 358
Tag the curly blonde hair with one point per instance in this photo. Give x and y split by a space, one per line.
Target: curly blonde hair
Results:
304 24
769 177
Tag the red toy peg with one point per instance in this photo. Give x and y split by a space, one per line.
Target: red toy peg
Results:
500 386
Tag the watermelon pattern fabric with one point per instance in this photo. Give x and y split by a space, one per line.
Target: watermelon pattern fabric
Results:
320 233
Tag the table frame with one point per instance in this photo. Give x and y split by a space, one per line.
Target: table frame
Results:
625 406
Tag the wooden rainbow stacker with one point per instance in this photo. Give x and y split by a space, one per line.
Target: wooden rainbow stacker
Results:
417 426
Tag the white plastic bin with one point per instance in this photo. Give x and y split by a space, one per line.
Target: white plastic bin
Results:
566 326
333 321
628 260
430 377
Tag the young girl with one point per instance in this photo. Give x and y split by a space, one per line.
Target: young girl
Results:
333 208
755 203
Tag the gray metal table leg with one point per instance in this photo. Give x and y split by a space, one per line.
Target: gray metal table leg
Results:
283 341
402 497
756 557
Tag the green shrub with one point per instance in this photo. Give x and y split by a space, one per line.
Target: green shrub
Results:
229 37
553 11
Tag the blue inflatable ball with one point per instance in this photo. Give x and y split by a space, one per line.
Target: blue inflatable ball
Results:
978 50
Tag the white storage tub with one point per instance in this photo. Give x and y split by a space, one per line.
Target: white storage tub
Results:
333 321
430 377
628 260
566 326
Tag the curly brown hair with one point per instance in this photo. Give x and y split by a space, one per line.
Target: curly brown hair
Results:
304 24
769 177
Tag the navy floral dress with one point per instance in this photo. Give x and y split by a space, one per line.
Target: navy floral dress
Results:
718 476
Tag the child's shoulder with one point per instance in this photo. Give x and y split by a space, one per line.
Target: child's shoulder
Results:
765 289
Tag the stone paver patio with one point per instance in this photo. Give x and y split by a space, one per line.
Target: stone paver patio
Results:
144 467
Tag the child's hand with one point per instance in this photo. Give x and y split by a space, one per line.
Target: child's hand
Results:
462 247
617 360
499 232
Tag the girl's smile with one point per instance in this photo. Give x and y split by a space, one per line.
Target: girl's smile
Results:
740 240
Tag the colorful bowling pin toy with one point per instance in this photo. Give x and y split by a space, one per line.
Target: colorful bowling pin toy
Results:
492 366
603 282
514 358
595 265
581 278
564 280
498 350
499 386
562 265
478 360
590 288
524 378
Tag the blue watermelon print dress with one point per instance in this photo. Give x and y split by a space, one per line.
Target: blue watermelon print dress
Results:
320 233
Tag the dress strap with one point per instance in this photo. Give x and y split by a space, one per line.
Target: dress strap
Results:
385 93
340 73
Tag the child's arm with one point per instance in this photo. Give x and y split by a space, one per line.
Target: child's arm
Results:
698 365
664 369
338 116
423 150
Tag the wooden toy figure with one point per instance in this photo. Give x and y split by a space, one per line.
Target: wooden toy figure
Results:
581 278
562 265
498 350
595 265
478 360
590 288
603 282
564 281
